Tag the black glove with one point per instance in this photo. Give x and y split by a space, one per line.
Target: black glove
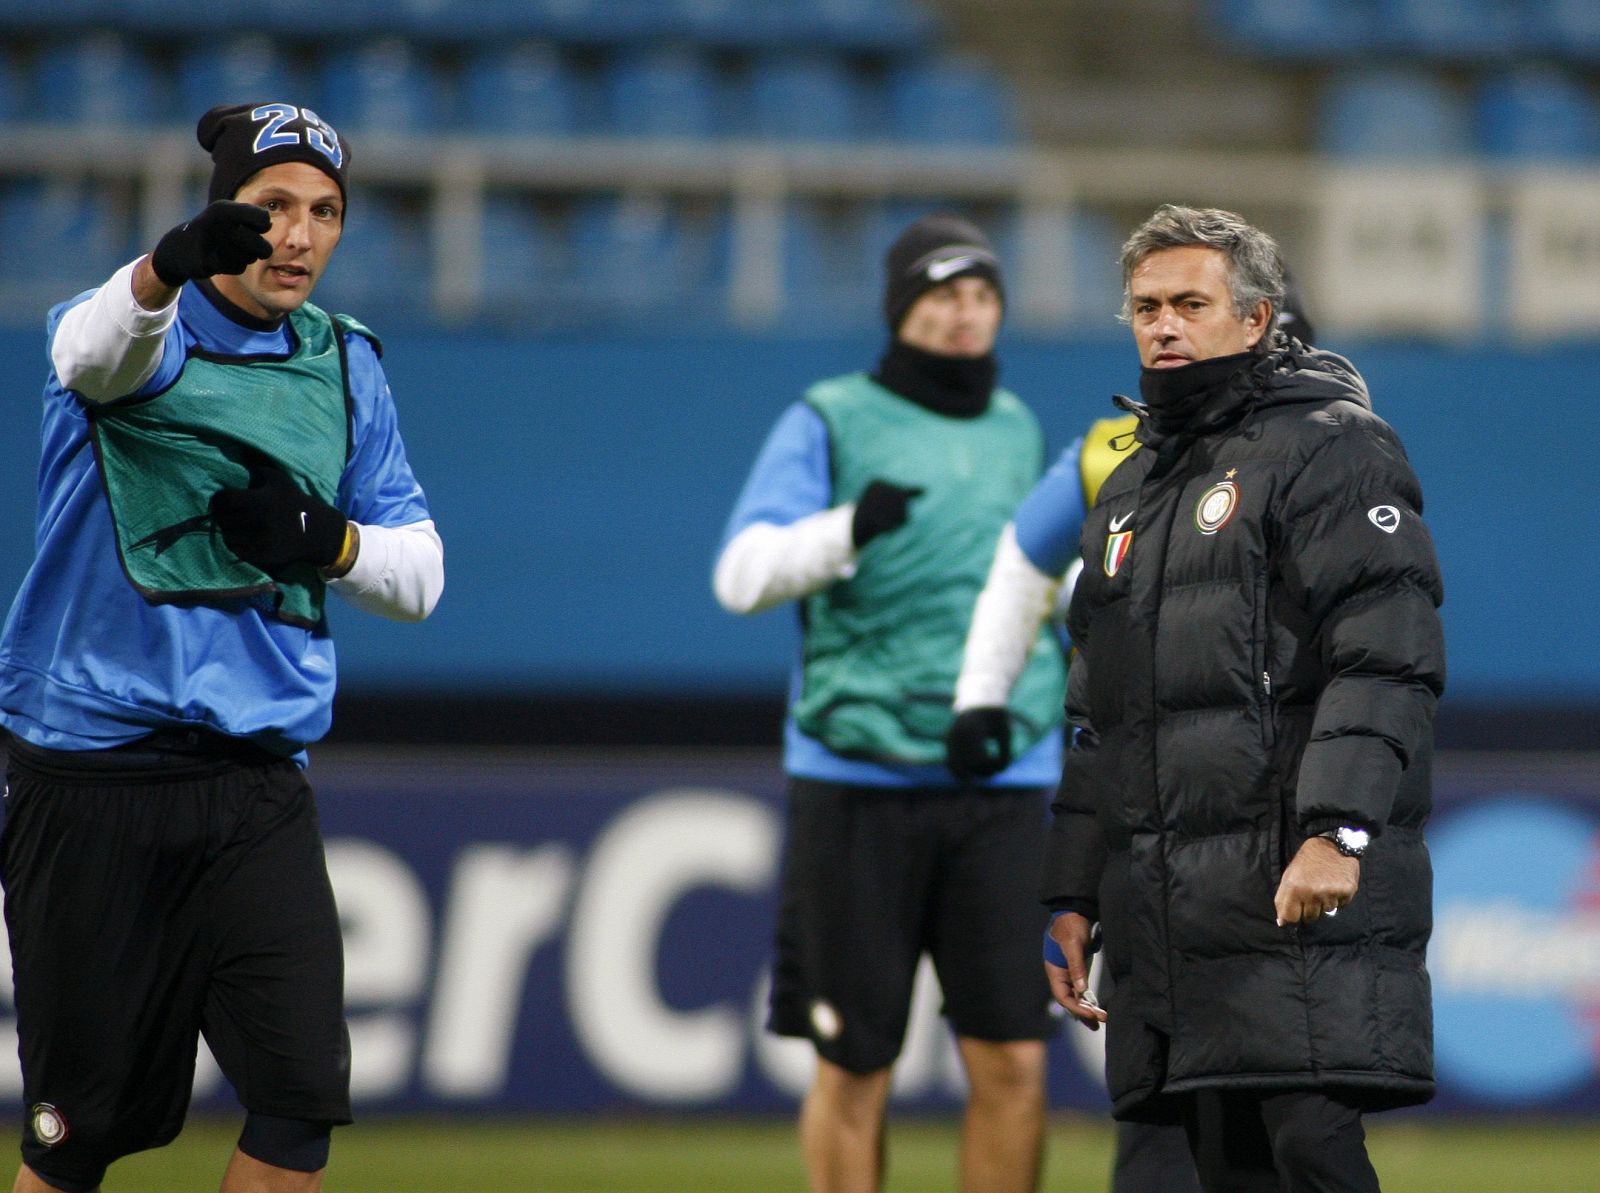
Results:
224 238
978 743
275 522
882 507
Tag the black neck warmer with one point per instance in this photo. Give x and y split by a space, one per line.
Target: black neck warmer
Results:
1175 396
232 311
957 386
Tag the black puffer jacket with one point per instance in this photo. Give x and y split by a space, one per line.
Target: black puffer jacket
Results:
1258 662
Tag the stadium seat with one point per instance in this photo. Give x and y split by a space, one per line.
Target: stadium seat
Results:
215 18
880 25
520 256
1391 114
1567 28
526 88
1535 113
13 89
870 25
1451 30
599 22
741 23
100 80
380 267
59 237
238 70
807 97
32 20
662 91
948 100
1295 30
381 86
1096 246
647 258
833 264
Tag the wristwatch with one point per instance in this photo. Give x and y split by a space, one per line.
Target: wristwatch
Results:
1349 840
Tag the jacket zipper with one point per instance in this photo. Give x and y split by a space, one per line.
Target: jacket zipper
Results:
1269 726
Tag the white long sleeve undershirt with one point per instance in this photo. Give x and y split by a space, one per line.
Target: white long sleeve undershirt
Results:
398 574
764 564
107 346
1016 599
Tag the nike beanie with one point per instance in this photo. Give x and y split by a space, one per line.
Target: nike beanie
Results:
932 251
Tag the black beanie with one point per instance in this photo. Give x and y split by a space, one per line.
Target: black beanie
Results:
244 138
929 253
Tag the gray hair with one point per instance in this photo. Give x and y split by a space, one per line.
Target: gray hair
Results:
1255 267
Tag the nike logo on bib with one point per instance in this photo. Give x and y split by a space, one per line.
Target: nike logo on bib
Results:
1118 523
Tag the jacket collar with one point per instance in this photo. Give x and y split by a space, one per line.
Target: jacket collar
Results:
1222 396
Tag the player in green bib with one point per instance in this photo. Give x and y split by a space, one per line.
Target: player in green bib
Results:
875 507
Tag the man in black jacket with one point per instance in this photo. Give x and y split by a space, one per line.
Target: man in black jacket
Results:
1259 658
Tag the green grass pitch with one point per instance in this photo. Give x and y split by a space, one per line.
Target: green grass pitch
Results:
699 1155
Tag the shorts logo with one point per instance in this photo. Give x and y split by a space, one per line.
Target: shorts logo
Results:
1117 550
1385 517
1216 507
49 1127
825 1020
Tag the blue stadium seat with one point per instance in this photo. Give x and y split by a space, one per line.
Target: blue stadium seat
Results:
59 237
1535 113
1569 28
871 25
647 258
661 91
833 264
382 86
599 22
1391 114
100 80
527 88
213 19
237 70
376 271
1455 30
1297 30
743 23
948 100
804 97
52 18
1097 270
13 89
520 254
879 25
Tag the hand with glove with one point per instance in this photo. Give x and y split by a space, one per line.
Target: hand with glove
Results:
275 522
882 507
978 743
224 238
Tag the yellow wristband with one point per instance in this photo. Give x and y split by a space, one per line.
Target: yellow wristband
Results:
347 553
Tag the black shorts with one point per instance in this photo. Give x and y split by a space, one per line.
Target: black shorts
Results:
875 877
151 896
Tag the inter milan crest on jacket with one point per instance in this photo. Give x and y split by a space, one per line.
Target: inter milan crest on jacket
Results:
1216 506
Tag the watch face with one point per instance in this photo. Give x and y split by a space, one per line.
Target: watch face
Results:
1353 840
